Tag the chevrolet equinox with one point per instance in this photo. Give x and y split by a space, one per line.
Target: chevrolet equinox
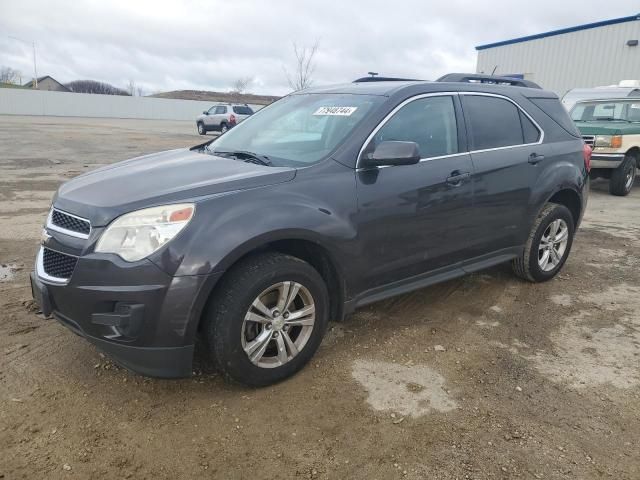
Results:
327 200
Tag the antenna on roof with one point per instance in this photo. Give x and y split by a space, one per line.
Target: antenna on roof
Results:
373 74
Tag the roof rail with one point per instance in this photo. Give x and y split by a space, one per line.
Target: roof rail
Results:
385 79
489 79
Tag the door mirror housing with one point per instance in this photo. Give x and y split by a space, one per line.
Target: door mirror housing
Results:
393 153
206 112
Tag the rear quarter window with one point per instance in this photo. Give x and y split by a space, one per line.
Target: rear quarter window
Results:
554 109
241 110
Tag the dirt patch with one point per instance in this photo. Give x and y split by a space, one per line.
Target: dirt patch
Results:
407 390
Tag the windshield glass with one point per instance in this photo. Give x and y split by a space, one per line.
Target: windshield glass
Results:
620 111
297 130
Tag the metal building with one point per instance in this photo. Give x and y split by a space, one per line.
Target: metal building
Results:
595 54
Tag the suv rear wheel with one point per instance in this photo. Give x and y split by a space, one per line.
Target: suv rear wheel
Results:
267 319
224 127
622 178
548 245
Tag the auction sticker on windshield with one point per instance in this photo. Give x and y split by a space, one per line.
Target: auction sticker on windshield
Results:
339 111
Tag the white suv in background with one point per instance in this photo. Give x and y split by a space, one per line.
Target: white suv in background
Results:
222 117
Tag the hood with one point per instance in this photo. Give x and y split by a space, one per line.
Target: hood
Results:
608 128
166 177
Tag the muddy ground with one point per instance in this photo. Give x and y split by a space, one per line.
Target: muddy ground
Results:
482 377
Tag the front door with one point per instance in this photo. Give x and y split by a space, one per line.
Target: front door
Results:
414 218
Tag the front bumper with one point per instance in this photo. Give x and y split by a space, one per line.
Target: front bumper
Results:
606 160
142 317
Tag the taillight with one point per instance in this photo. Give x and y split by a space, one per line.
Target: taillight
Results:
232 118
586 153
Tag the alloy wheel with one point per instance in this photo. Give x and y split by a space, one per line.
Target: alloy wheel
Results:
278 324
553 245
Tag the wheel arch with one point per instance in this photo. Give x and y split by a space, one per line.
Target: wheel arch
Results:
635 151
300 246
570 199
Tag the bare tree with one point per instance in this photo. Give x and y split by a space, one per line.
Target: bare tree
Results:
9 75
131 87
305 66
140 91
92 86
241 85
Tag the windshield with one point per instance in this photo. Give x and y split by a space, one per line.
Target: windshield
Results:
617 111
297 130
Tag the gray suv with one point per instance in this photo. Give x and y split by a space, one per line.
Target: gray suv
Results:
327 200
222 117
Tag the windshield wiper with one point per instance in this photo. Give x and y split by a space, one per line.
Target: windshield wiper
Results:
249 157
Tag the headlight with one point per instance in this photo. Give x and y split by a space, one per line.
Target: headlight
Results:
613 141
138 234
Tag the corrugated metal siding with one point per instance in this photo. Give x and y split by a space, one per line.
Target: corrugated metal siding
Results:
586 58
14 101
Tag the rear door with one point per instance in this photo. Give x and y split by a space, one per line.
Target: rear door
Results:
414 218
220 116
507 152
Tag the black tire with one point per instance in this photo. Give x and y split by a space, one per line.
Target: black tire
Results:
224 128
622 178
233 298
526 266
202 130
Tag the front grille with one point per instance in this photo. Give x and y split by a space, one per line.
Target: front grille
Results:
589 140
58 264
69 222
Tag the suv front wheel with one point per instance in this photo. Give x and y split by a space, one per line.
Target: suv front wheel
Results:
548 245
267 319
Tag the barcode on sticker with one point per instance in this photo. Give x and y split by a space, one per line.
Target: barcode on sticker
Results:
339 111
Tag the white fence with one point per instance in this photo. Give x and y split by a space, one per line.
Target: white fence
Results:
15 101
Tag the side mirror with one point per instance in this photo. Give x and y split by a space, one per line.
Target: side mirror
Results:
206 112
393 153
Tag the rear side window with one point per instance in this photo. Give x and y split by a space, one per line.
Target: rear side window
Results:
242 110
494 122
430 122
554 109
529 130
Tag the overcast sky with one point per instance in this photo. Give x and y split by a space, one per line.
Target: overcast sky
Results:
207 44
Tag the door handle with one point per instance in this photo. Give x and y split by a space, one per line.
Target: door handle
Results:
457 177
534 158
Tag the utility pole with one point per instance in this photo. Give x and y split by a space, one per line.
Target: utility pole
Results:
35 67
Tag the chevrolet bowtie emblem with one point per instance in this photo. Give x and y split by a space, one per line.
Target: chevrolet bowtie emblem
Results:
44 237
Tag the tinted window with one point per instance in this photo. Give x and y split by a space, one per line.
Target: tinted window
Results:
242 110
553 108
221 110
430 122
530 131
494 122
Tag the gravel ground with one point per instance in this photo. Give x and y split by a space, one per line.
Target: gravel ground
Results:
481 377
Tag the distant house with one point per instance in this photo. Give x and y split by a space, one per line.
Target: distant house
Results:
48 83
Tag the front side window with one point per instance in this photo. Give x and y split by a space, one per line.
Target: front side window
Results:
493 122
430 122
221 110
300 129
